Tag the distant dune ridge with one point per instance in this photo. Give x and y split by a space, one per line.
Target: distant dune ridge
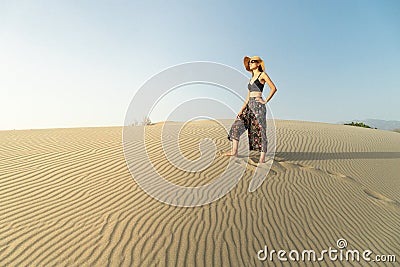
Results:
68 199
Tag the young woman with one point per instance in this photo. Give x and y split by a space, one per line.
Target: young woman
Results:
252 116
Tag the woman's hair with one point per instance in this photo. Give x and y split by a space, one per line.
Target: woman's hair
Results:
259 69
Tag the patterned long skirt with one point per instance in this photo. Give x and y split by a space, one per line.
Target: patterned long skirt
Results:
252 119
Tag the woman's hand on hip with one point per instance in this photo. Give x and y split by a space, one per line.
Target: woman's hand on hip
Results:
260 100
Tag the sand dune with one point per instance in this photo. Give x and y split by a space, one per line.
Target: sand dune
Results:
68 199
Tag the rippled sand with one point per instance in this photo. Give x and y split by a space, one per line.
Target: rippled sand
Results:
68 198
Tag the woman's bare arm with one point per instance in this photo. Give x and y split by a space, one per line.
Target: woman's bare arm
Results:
265 76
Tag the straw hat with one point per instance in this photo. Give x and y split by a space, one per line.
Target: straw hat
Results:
246 61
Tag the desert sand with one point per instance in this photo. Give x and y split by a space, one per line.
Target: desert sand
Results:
68 199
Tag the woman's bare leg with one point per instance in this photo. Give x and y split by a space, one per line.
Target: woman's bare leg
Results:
234 151
262 157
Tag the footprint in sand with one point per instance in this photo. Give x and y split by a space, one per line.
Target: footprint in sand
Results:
387 201
310 168
280 165
343 177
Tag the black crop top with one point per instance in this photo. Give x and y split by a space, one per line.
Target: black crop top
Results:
257 86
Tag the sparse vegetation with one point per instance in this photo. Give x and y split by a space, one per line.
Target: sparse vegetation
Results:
396 130
145 121
134 123
359 124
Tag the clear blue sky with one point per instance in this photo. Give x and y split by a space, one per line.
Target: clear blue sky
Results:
79 63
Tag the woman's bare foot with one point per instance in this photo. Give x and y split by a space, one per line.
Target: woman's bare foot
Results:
230 154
